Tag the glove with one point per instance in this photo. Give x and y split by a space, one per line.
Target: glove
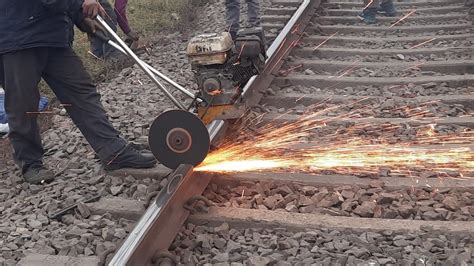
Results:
133 36
92 8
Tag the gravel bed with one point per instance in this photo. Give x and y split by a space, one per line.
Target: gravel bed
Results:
399 135
328 140
400 8
224 245
399 44
454 54
406 22
132 101
398 33
408 91
372 201
355 70
382 108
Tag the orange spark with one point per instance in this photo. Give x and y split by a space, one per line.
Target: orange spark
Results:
292 44
359 149
416 65
295 29
284 72
420 44
214 92
348 69
402 18
370 2
323 42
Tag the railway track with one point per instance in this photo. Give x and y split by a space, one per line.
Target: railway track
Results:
404 83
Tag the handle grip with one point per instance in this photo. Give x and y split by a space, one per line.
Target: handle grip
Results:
102 36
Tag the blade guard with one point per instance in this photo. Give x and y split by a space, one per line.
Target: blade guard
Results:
220 112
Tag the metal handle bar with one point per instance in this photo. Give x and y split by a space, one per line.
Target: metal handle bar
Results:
145 67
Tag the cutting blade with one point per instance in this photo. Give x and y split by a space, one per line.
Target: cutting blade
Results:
178 137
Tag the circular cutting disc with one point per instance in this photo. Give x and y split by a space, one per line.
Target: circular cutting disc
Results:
179 137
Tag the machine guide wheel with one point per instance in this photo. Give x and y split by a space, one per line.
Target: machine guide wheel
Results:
179 137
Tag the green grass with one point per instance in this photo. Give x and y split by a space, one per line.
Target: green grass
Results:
147 17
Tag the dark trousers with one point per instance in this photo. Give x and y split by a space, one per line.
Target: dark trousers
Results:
233 14
62 69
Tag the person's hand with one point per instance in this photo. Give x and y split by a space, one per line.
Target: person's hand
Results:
133 36
92 8
90 26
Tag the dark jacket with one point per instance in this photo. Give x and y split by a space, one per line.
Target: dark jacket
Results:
37 23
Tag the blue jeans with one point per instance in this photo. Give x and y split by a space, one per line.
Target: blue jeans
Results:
233 14
98 47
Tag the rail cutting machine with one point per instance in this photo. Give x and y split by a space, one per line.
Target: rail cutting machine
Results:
221 68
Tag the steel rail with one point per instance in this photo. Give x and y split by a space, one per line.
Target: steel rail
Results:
163 219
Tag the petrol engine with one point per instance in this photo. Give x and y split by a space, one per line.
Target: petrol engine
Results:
222 67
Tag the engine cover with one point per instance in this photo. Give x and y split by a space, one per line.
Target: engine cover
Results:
209 49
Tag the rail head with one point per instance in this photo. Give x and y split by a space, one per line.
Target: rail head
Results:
165 215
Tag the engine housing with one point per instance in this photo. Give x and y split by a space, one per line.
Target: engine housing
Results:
222 67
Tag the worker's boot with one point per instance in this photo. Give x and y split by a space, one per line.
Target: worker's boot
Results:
38 175
368 15
387 9
130 157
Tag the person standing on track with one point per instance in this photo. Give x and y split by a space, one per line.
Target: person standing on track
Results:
233 15
35 43
372 7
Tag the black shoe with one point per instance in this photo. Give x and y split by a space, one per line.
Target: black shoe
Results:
141 147
129 157
38 175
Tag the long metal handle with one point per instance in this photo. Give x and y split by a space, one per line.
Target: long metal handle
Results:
140 63
158 73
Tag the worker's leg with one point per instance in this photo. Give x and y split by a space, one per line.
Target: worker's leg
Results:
469 4
387 8
1 72
98 47
233 16
73 86
111 19
21 75
254 12
369 12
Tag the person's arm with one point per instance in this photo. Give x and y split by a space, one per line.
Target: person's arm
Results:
63 5
120 9
121 12
90 8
